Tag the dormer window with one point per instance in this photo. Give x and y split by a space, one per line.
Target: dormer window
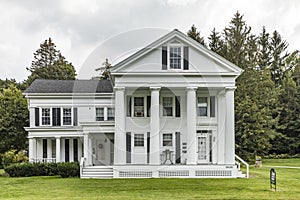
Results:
175 57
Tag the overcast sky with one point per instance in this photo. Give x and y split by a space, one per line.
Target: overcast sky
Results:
80 27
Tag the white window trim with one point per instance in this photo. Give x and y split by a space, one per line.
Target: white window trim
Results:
173 106
208 106
133 138
41 116
105 113
62 117
181 57
162 140
145 106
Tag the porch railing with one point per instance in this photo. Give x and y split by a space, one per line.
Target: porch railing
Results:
245 163
43 160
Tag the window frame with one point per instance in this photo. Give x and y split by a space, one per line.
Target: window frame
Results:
41 116
144 105
139 138
112 117
178 45
207 107
169 140
99 117
208 99
173 105
62 116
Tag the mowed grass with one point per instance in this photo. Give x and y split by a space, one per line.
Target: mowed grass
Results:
257 187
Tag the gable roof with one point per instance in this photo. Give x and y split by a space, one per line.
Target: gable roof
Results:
70 86
177 34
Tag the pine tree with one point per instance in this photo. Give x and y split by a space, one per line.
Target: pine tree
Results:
194 34
105 70
49 63
264 56
216 43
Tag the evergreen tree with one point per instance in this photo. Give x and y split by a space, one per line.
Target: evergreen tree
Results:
216 43
194 34
264 56
278 53
49 63
105 70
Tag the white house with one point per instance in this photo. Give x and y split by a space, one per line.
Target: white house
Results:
168 112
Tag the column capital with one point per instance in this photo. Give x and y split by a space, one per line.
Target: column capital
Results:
155 88
119 88
57 137
191 88
230 88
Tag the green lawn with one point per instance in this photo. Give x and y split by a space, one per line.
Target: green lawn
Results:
257 187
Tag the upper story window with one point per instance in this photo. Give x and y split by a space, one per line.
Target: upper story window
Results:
110 114
167 139
67 116
175 57
99 114
138 140
138 105
206 106
46 116
167 106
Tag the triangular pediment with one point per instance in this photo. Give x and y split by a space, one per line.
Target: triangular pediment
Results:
201 60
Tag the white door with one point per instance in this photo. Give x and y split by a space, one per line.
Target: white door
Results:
204 149
102 152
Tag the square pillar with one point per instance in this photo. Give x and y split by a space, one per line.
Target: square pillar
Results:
86 147
221 127
79 148
191 120
71 150
154 127
49 149
120 134
229 136
32 149
58 149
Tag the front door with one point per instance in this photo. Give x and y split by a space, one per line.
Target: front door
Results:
204 148
102 152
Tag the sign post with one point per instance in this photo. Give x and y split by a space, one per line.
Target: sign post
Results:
273 179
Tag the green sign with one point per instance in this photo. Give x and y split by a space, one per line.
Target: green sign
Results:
273 179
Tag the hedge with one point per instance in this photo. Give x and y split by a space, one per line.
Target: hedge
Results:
27 169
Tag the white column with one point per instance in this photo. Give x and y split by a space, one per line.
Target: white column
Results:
86 147
49 148
71 150
90 155
120 135
57 149
191 126
221 127
31 149
229 136
154 127
39 148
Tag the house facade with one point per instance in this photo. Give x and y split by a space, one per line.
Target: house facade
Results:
167 112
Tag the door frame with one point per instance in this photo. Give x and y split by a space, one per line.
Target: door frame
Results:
207 134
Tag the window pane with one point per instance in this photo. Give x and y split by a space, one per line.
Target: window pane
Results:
138 140
67 116
45 116
167 106
138 106
175 57
168 139
99 114
110 114
202 106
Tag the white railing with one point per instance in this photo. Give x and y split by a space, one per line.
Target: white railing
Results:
82 165
245 163
44 160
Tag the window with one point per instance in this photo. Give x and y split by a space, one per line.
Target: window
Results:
167 139
46 116
138 106
110 114
167 106
202 106
99 114
67 116
138 140
175 57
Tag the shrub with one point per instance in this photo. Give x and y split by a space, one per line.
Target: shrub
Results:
12 156
27 169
